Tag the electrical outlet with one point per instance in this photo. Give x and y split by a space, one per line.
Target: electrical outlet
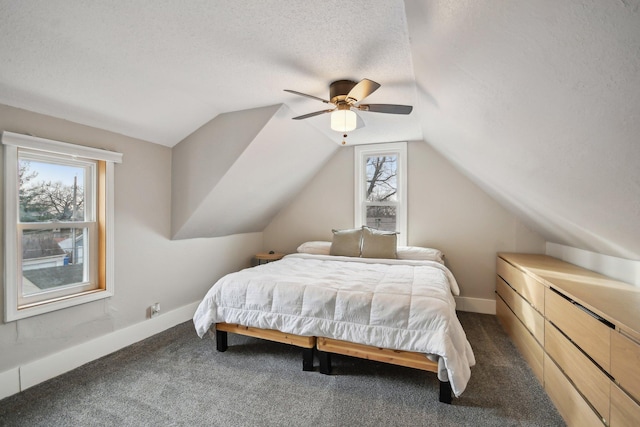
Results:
155 309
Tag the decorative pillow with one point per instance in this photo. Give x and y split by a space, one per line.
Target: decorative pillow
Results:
378 243
346 242
316 248
419 253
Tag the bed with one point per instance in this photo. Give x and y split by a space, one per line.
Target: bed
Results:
399 311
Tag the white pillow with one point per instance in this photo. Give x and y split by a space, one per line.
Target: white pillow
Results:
316 248
419 253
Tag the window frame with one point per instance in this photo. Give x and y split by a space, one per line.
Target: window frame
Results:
91 237
361 153
102 255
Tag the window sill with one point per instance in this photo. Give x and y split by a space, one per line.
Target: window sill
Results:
36 309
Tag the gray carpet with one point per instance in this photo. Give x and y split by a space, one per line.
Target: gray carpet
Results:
176 379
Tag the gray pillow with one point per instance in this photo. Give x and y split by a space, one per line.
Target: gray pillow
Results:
379 244
346 242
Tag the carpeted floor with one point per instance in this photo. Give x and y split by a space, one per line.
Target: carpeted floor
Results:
176 379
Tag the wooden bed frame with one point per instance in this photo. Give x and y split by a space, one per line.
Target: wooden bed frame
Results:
327 346
308 344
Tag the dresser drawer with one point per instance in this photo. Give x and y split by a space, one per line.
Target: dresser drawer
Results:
530 349
624 411
531 289
587 377
522 309
573 408
625 363
585 330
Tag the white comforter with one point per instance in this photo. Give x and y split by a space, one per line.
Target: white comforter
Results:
396 304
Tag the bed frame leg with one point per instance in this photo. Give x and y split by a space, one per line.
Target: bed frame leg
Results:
221 341
445 392
307 359
325 362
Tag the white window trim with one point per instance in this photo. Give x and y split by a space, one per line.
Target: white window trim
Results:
12 142
361 152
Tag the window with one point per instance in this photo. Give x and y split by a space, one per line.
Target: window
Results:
380 194
58 225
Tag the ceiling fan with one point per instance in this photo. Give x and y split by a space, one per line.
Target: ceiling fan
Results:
345 95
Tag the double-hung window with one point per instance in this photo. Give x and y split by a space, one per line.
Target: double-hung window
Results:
58 225
381 187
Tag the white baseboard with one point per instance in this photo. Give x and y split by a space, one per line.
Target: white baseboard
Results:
476 305
32 373
9 382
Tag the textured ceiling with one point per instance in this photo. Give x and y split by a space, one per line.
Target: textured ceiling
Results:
158 70
538 102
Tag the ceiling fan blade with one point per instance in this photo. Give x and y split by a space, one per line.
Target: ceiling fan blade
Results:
308 96
361 90
386 108
317 113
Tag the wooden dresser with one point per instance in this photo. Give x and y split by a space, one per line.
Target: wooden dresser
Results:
580 333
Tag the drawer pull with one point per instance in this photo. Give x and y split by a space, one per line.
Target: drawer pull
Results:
585 309
592 314
629 336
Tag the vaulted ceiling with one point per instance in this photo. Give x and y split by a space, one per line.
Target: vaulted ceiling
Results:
538 102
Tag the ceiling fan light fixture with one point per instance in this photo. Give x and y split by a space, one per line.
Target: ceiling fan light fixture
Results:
346 95
343 120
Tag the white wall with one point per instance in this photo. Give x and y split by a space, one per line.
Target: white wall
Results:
625 270
149 266
325 203
235 173
446 211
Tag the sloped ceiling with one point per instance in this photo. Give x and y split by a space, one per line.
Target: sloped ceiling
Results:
236 172
158 70
536 101
539 103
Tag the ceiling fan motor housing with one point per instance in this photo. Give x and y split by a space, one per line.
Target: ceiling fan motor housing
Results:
346 95
339 89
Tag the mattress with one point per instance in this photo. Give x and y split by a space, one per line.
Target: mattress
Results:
396 304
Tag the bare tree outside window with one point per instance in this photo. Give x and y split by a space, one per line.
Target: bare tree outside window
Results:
381 191
381 187
61 200
51 257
